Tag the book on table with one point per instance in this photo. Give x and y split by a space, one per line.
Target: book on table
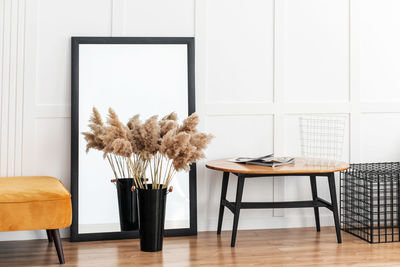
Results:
267 160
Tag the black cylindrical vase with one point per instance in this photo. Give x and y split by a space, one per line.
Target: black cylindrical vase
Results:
127 203
151 204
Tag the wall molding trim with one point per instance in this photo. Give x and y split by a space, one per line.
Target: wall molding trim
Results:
253 109
11 86
118 17
30 79
270 108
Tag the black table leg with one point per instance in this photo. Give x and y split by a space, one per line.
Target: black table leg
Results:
332 190
315 198
238 204
225 179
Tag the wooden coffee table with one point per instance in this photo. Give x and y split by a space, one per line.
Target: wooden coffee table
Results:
299 168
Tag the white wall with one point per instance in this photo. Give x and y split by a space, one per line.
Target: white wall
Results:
259 64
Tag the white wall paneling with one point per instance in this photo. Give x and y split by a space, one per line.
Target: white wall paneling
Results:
239 51
380 137
278 100
57 21
11 85
159 18
200 34
316 50
316 69
354 81
379 53
118 17
259 64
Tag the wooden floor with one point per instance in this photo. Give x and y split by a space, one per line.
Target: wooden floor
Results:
281 247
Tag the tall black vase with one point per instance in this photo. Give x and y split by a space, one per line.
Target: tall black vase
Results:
127 203
151 204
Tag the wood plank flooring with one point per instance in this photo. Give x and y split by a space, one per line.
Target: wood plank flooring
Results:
278 247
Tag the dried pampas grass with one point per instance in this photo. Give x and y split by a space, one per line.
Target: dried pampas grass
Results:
134 136
189 124
172 116
162 147
168 123
116 130
150 136
96 126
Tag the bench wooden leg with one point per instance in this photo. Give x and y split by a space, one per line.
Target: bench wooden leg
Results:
49 235
57 241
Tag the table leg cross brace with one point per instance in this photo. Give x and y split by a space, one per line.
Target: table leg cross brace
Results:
317 202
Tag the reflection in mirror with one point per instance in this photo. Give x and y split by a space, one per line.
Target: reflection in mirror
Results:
145 79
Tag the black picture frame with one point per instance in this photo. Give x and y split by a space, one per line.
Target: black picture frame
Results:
75 42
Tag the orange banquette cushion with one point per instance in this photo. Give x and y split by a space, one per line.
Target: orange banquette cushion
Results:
33 203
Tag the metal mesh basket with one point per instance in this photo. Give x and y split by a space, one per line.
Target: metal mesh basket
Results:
322 138
369 201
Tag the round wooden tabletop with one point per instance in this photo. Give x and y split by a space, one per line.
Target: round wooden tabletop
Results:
299 166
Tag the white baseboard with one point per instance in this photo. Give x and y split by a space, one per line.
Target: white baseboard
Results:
29 235
266 222
245 223
115 227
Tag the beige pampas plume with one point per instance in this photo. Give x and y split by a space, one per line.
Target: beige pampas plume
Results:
94 137
167 123
166 126
134 122
90 141
122 147
96 117
114 121
181 162
115 130
172 116
167 142
134 125
173 143
191 150
150 133
184 144
200 140
189 124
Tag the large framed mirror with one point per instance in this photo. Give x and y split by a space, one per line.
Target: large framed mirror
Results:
133 75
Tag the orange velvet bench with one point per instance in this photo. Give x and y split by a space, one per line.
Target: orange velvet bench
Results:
35 203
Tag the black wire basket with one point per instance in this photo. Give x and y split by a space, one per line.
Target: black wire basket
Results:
369 201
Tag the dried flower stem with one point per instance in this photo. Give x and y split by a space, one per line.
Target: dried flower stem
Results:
160 147
112 166
161 175
171 174
161 160
134 170
120 166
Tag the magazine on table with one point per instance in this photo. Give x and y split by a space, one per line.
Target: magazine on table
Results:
267 160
